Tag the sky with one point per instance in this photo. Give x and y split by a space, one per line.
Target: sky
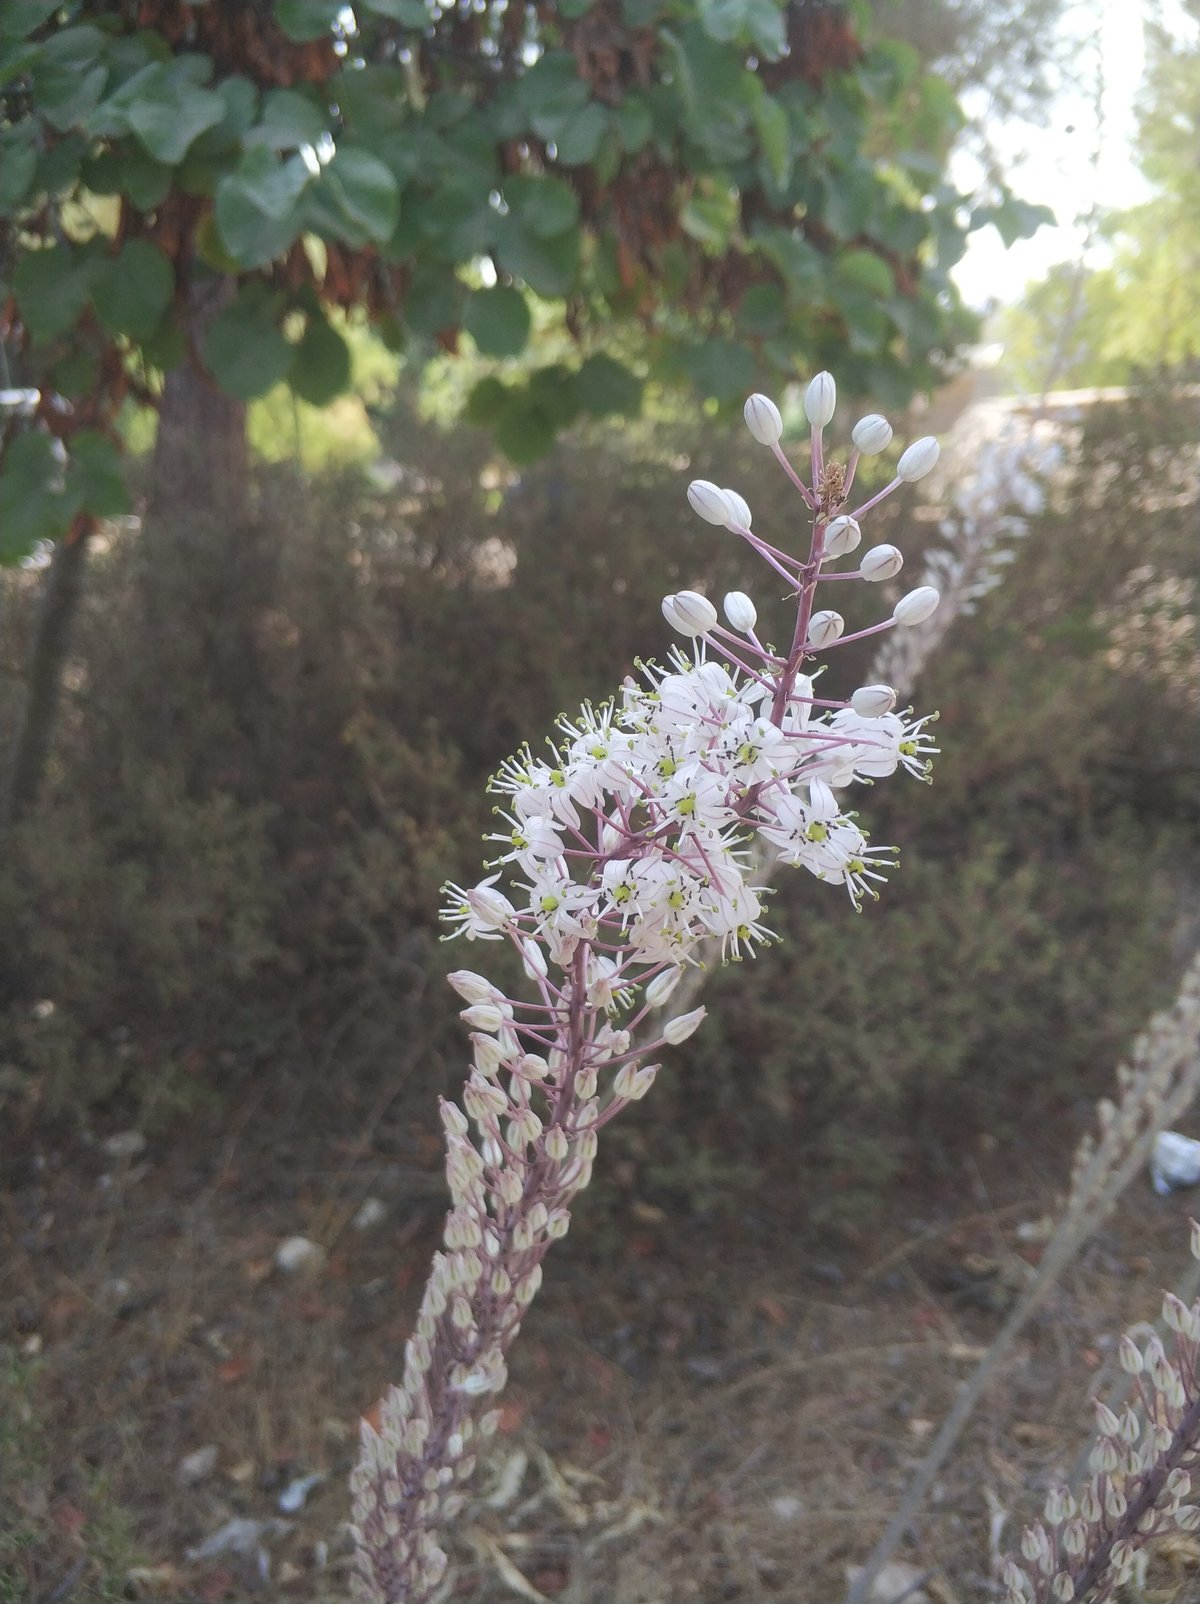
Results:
1081 158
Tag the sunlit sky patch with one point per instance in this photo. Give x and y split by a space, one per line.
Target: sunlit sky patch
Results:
1081 159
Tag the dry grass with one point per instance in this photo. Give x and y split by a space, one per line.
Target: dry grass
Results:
716 1408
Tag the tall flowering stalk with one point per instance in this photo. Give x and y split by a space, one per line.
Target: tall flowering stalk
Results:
1144 1463
620 852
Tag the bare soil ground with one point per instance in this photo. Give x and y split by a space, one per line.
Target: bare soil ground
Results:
715 1406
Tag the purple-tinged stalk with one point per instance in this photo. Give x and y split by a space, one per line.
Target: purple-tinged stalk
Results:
625 851
1143 1462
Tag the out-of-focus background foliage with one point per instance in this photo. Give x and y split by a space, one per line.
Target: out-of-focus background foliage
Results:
247 738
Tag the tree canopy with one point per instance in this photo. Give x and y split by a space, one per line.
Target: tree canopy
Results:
706 191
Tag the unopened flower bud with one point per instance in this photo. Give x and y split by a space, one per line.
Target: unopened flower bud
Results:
679 1029
918 459
1089 1504
1074 1537
1063 1588
473 988
763 419
742 518
454 1121
1187 1518
558 1224
486 1052
1178 1484
824 628
1115 1504
872 434
1106 1422
556 1144
661 987
841 535
483 1016
873 701
710 501
1175 1312
1012 1575
917 606
820 399
533 959
740 611
1123 1556
1105 1457
1032 1539
633 1083
1130 1356
1195 1239
689 613
881 562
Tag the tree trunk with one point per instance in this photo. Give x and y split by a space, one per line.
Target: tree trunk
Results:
64 587
206 573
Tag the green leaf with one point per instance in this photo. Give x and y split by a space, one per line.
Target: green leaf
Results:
548 266
95 477
761 311
774 137
132 290
171 112
552 87
712 218
719 368
321 370
52 288
545 206
434 302
244 346
606 388
18 162
129 171
16 59
555 390
577 135
486 402
21 17
289 119
59 167
77 373
525 429
259 207
799 263
363 194
302 20
634 123
67 76
412 13
865 271
31 504
498 321
756 22
1014 219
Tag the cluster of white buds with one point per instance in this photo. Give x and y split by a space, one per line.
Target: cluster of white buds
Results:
1145 1465
618 854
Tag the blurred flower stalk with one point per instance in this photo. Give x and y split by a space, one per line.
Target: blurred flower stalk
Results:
620 856
1143 1464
